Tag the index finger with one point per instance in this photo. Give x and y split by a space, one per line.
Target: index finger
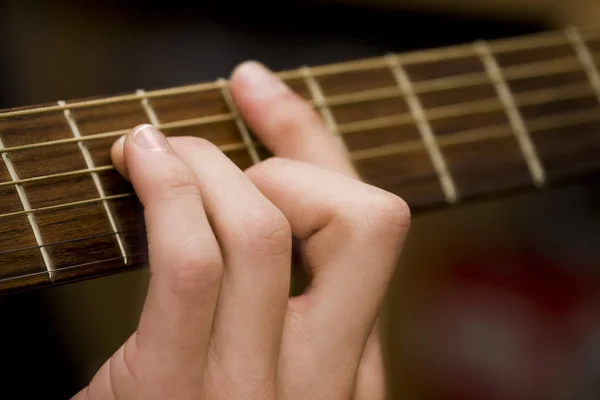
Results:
185 259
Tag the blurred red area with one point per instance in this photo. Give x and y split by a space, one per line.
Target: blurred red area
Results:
506 327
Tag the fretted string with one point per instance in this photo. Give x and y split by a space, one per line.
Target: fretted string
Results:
531 98
430 86
538 97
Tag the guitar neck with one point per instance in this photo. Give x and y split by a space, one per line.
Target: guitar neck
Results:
436 127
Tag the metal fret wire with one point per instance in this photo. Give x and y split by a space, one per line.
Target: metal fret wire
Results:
239 122
532 98
516 121
545 39
585 57
428 137
89 161
35 229
318 98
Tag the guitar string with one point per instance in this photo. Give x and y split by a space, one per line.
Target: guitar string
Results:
91 264
42 178
67 241
144 253
546 39
538 97
499 132
544 123
65 205
459 110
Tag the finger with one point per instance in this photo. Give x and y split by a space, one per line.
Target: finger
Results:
353 235
281 107
370 381
255 240
185 261
284 122
118 157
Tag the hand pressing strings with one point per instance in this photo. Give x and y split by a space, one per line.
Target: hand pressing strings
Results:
218 322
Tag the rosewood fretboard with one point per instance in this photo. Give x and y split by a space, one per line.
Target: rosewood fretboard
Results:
436 127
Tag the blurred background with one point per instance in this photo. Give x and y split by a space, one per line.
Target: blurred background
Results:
498 299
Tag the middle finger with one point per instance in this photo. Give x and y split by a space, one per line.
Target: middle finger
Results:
255 240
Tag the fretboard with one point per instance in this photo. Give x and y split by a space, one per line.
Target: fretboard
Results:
437 127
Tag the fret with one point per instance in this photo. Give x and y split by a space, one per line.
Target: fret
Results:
367 109
570 150
319 99
593 45
298 86
96 179
148 108
30 217
585 57
553 74
515 118
241 125
467 65
559 52
425 130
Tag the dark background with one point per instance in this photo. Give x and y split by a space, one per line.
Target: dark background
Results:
53 340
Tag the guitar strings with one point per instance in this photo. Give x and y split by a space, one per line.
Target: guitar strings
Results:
463 109
68 241
396 181
8 280
42 178
546 39
142 253
493 132
457 138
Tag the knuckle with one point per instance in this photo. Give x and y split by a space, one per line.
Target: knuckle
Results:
197 142
203 144
266 231
384 216
196 268
176 182
273 163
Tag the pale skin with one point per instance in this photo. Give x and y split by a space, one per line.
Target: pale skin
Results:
218 322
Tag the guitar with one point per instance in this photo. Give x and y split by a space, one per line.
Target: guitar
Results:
438 127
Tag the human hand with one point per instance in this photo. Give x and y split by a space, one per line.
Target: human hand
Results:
218 322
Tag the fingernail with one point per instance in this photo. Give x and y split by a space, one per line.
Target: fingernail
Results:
258 79
121 141
149 138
